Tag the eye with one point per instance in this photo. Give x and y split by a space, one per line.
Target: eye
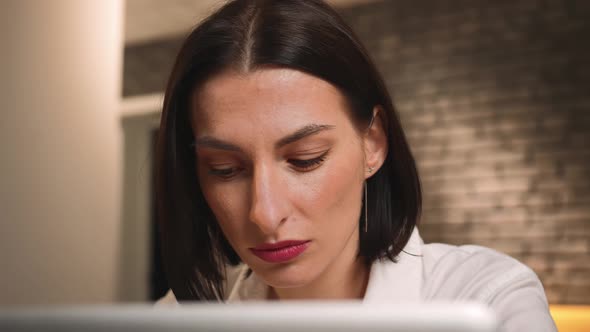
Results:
308 164
224 173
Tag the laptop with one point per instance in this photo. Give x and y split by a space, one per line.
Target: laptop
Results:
256 316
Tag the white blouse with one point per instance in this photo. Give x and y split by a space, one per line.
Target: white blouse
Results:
427 272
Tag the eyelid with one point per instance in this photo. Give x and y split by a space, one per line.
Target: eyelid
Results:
310 163
221 165
222 168
210 158
310 151
226 173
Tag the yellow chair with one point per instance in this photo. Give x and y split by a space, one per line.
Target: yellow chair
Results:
571 318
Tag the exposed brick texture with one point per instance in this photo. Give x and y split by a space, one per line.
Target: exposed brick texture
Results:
495 100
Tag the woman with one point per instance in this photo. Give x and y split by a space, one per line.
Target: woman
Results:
284 173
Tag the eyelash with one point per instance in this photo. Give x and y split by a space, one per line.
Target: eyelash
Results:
308 164
224 173
304 165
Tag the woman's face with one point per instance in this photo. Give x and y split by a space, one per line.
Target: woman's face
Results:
279 159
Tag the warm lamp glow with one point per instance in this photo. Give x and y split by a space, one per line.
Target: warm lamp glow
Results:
571 318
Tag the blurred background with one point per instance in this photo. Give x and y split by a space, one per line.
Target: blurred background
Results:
494 97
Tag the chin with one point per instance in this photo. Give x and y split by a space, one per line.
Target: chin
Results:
287 275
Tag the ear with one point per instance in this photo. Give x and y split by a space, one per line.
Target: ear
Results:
375 143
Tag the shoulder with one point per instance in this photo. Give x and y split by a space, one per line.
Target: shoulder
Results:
474 273
469 271
233 274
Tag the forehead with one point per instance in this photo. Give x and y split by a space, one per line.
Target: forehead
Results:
272 99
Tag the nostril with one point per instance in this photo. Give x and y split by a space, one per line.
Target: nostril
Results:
267 214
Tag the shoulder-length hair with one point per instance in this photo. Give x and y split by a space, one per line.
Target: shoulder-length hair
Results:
305 35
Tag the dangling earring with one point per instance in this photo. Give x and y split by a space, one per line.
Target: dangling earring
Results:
366 202
366 209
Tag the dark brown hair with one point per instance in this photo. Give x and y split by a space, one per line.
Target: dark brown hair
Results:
306 35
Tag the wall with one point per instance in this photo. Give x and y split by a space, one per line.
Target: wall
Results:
494 98
60 151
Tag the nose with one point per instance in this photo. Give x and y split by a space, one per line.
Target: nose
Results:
269 202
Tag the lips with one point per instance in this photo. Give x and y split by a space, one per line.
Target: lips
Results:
280 252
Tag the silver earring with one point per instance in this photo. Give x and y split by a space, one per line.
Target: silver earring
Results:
371 122
370 170
366 209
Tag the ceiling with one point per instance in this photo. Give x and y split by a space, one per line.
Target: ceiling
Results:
147 20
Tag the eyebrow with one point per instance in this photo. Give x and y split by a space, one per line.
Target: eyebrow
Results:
306 131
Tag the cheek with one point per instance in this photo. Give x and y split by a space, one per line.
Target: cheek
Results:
334 192
226 200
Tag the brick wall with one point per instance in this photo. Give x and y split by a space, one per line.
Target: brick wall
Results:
495 99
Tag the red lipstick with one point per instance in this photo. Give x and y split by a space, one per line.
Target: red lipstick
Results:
280 252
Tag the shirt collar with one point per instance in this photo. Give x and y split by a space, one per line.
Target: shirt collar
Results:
248 287
400 281
388 281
